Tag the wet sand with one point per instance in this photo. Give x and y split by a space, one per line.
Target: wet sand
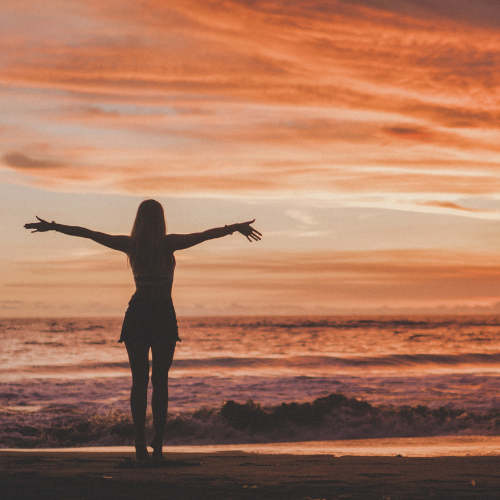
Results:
237 475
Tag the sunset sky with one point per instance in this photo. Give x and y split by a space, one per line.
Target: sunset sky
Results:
362 135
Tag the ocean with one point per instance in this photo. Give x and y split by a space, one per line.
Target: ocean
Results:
256 380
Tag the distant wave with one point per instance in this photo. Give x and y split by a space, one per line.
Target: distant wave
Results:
394 360
348 322
299 362
328 418
46 370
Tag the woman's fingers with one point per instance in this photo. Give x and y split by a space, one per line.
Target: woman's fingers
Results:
255 235
248 231
252 236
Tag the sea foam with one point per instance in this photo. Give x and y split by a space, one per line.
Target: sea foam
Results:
334 417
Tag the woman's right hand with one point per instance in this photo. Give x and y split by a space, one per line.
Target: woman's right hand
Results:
39 227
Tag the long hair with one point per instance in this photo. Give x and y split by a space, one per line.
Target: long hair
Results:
147 240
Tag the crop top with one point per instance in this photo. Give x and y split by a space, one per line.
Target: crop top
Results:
158 281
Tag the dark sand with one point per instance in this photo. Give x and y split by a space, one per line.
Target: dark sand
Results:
237 475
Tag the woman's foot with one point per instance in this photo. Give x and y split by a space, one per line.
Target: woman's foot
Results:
157 451
141 453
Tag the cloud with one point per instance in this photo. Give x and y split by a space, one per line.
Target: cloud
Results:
256 97
481 12
365 278
413 133
284 53
311 279
21 161
450 205
302 217
81 265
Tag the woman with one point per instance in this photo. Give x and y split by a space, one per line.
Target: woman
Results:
150 321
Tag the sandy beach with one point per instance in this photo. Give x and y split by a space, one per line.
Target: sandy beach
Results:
239 475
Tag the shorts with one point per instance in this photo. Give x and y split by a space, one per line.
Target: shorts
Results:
150 318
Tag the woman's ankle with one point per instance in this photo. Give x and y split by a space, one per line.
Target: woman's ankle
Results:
141 453
157 448
156 443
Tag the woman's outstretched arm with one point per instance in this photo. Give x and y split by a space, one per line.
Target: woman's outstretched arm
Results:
181 241
108 240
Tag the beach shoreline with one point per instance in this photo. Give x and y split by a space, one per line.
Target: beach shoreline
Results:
240 475
428 446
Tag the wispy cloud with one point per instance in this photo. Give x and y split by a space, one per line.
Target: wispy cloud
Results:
327 279
364 279
450 205
255 96
300 216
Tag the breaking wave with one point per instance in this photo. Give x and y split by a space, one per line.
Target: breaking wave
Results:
328 418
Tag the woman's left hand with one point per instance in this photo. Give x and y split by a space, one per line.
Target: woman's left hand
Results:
247 230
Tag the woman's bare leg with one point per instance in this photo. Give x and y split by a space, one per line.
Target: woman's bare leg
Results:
162 360
138 355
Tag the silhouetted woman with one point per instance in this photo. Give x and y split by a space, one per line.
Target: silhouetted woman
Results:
150 321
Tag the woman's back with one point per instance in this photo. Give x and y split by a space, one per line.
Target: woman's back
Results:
155 271
150 257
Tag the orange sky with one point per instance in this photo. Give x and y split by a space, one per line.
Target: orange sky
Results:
362 135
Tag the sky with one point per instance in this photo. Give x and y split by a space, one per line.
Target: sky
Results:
362 135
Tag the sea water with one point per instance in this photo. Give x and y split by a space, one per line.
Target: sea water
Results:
254 380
